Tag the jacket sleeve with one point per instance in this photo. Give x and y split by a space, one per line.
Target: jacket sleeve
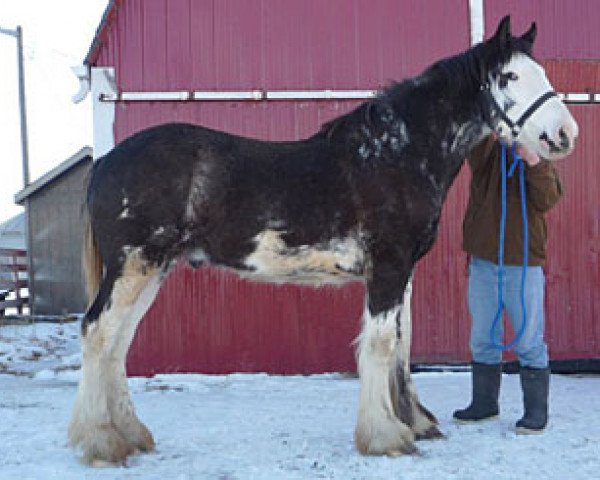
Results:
544 188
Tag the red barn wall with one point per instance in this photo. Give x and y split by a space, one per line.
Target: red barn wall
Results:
212 321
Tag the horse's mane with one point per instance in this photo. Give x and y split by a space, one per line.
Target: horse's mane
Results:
453 75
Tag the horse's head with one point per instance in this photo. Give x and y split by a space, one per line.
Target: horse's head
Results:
525 108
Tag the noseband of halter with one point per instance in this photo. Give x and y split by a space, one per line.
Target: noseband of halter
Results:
515 127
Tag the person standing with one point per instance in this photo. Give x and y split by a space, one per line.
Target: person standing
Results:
481 228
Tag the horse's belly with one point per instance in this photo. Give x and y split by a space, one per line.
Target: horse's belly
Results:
336 261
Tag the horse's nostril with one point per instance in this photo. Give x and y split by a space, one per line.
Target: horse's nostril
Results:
564 138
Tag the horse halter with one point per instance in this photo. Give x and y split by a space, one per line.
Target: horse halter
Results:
515 127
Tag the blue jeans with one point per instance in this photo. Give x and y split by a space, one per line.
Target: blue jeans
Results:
531 351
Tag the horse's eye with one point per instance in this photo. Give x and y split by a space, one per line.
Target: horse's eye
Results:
505 77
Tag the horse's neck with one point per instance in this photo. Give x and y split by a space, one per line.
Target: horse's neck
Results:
451 129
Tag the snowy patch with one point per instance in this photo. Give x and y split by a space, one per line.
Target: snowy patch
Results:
33 348
259 426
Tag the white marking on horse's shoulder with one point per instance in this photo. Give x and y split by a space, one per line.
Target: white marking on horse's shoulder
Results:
364 151
459 136
125 213
403 131
400 137
186 236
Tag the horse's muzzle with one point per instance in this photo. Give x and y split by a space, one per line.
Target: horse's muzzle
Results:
561 143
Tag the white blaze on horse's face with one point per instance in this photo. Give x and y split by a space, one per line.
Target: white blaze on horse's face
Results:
551 130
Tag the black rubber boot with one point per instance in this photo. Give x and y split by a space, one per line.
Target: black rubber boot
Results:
535 383
485 380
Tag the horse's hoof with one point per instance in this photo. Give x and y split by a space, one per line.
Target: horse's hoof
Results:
408 449
137 435
103 446
389 437
432 433
146 443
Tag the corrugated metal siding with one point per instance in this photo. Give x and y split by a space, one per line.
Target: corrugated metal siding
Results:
574 75
212 321
566 30
573 269
268 120
287 44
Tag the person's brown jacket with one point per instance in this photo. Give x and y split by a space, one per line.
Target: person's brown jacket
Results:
481 225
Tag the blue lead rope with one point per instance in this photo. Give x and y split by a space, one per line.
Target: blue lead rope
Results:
516 160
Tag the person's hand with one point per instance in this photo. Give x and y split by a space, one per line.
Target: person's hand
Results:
529 156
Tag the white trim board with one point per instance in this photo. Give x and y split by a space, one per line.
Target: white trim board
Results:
274 95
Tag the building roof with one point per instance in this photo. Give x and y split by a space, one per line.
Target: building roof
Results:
12 232
81 155
102 31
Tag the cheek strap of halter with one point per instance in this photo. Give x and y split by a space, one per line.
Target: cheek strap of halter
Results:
515 127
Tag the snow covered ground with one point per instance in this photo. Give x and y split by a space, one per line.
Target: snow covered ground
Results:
271 427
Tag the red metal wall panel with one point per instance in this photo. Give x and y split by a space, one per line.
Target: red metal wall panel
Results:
566 29
214 322
574 75
284 44
573 269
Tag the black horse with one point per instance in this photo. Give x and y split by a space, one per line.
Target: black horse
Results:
361 199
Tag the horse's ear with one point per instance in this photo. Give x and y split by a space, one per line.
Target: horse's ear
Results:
502 34
529 35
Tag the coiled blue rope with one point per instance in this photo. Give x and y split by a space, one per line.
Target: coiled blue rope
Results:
517 160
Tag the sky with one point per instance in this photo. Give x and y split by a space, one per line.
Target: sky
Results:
57 35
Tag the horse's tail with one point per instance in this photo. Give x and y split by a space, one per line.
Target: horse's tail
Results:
91 260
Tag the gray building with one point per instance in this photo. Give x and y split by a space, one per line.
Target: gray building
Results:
12 232
54 212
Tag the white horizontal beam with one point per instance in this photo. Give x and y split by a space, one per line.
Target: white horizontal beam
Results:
257 95
223 96
575 97
146 97
252 95
320 94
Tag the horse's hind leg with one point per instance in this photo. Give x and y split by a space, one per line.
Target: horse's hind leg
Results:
104 424
404 394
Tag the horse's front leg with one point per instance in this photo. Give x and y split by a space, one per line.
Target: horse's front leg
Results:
380 430
404 394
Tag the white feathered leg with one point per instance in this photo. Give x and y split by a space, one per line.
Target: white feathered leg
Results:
379 431
104 424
